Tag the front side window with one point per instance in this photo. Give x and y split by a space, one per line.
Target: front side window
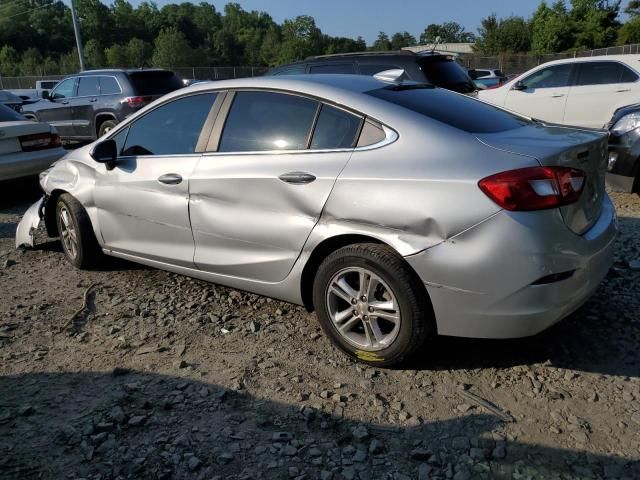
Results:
263 121
602 73
550 77
87 86
173 128
335 128
64 89
109 86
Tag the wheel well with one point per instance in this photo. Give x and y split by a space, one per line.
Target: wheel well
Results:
101 118
50 213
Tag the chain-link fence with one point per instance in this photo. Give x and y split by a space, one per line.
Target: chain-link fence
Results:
191 73
519 63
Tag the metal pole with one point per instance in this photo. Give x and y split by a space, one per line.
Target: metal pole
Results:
76 29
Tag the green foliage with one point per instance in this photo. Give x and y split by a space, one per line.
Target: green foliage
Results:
449 32
171 49
508 35
402 39
382 43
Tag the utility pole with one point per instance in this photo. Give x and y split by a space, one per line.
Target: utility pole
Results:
76 29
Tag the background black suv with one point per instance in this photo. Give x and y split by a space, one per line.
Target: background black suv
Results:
86 105
433 68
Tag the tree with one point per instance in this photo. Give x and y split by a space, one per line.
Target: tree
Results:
382 43
171 49
402 39
116 56
594 23
94 54
550 29
138 52
633 8
630 31
8 61
301 38
449 32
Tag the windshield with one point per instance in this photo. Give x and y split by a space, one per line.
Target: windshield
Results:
154 82
447 73
8 115
458 111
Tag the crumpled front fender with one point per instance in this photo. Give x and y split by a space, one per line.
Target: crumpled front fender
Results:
29 224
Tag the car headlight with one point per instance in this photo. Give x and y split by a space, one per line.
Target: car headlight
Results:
627 123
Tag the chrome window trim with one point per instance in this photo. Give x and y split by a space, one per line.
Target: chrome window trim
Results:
99 94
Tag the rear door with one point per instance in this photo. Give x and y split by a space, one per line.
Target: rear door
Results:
600 88
58 110
143 203
258 193
544 95
84 104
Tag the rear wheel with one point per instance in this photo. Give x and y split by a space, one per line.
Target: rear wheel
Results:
371 305
106 127
76 233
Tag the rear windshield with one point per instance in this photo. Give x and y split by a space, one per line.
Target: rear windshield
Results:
459 111
9 115
447 73
154 83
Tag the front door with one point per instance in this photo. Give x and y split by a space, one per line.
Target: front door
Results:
256 199
543 94
58 109
143 203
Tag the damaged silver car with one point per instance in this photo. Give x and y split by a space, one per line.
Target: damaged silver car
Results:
397 211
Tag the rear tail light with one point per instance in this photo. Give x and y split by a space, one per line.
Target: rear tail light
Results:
534 188
137 102
39 141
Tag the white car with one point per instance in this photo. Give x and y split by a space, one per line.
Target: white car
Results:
26 147
577 91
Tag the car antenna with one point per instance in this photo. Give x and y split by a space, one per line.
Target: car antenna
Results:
437 42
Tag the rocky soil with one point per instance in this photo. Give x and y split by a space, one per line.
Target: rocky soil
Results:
164 377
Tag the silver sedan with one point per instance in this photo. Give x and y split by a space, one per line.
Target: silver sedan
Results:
396 211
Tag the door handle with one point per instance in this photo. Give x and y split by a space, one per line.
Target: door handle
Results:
65 102
93 99
557 95
297 178
623 90
170 179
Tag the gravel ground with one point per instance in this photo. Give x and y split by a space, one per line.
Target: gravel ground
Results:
162 376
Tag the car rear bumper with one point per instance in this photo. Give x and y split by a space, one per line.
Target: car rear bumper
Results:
485 282
24 164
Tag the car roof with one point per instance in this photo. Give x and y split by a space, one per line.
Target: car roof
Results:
118 70
632 60
405 55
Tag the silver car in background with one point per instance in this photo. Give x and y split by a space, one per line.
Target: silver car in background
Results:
396 211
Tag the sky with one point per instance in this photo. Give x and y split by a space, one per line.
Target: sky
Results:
350 18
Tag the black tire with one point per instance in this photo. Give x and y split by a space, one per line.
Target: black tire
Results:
105 127
416 323
87 252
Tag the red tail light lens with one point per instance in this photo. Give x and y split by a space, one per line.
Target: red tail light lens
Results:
534 188
39 141
137 102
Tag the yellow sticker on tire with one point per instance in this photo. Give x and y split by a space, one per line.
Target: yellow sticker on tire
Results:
368 356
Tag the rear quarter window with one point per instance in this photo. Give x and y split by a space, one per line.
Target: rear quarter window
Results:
154 82
456 110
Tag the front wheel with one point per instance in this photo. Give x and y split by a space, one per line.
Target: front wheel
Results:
372 305
76 233
106 127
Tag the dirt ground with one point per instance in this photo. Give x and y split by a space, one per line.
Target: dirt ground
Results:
164 377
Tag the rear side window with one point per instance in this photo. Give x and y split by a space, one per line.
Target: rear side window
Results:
372 68
87 86
263 121
335 128
333 68
551 77
290 70
602 73
173 128
447 73
459 111
154 82
109 86
9 115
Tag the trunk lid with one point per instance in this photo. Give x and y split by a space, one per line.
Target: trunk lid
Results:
10 131
581 149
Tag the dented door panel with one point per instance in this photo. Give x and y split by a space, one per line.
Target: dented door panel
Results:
249 223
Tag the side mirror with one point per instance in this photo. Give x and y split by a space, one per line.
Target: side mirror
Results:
105 152
519 86
45 94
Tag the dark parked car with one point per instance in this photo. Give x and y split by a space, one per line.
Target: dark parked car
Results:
433 68
624 149
86 105
10 100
